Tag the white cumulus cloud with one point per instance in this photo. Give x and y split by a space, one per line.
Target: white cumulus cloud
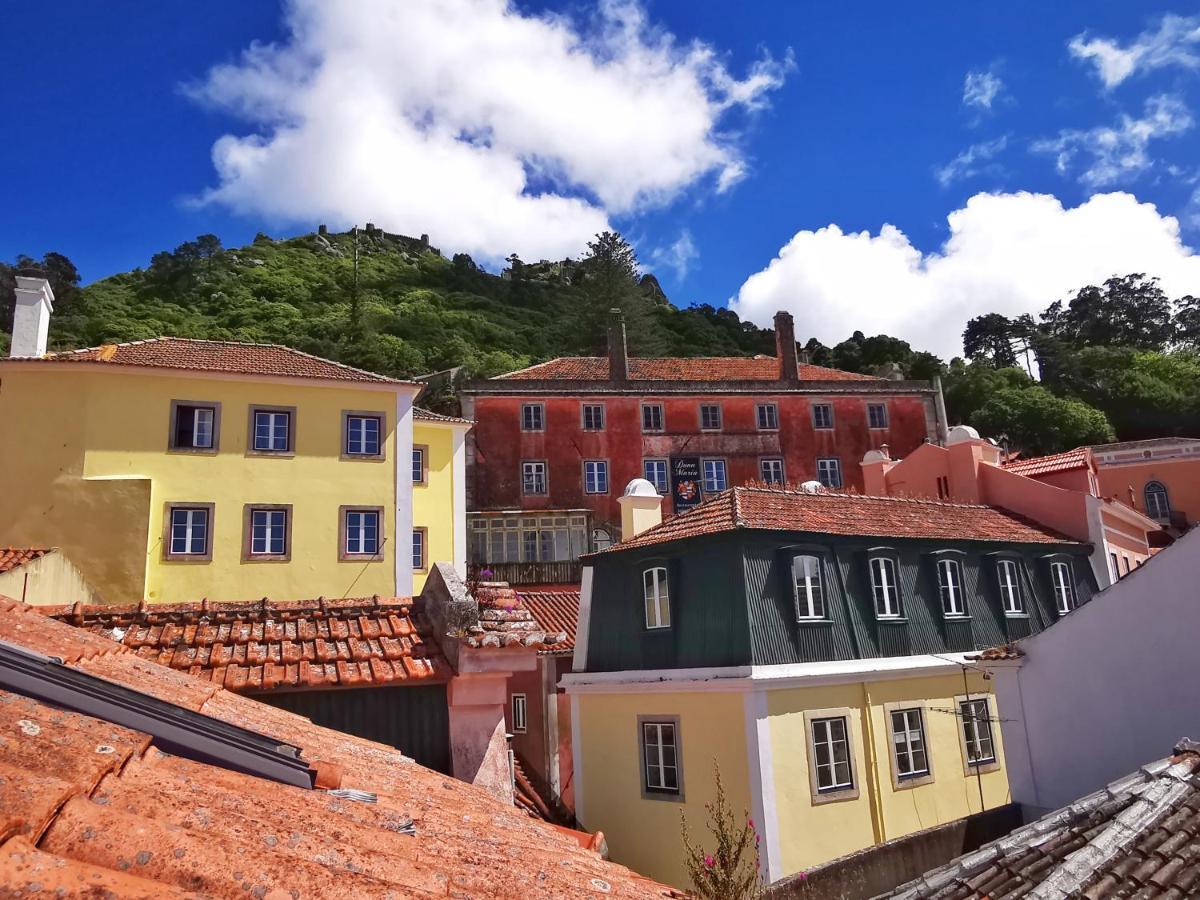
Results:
980 89
489 128
678 256
1176 42
1118 152
1007 253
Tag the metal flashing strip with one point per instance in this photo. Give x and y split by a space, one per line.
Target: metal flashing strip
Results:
175 730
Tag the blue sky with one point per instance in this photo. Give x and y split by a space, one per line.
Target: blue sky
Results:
754 152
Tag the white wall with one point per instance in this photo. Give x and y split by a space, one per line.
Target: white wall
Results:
1107 689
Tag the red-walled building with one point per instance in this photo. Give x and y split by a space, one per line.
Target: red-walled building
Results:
555 444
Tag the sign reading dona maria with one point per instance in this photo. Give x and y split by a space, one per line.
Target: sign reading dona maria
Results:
685 482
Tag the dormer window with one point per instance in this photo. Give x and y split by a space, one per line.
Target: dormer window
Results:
808 588
1064 586
1010 588
885 587
950 586
657 597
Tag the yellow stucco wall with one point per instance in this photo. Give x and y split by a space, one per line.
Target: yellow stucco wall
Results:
51 579
433 502
84 466
644 834
812 834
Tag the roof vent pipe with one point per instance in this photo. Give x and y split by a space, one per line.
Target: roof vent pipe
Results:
31 317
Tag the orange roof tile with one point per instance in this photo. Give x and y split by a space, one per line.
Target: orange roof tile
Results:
90 808
233 357
264 646
12 557
428 415
780 509
555 611
700 368
1079 458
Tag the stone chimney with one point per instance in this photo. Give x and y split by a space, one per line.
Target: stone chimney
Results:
641 508
31 316
785 347
875 466
618 356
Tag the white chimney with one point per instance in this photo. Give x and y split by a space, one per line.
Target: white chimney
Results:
31 317
641 508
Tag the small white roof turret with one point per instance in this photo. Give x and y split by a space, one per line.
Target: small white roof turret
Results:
960 433
812 487
640 487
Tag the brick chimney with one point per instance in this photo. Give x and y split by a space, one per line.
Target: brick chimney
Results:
618 356
785 347
31 316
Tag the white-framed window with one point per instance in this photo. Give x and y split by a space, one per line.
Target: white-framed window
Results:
950 586
829 472
831 754
655 472
657 597
601 539
1010 587
1116 572
418 465
877 415
1158 502
194 427
822 415
533 417
660 757
808 587
768 417
362 435
528 538
362 532
1064 586
885 587
908 744
977 732
519 709
418 549
593 417
272 431
770 470
595 476
652 417
713 471
189 531
710 417
533 476
268 532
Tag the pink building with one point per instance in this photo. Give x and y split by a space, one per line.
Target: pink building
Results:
1060 491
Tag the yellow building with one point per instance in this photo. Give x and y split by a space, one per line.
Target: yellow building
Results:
173 469
815 647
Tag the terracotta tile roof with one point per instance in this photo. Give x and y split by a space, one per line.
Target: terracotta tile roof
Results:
699 368
88 808
428 415
1137 837
555 611
504 621
264 646
13 557
220 356
1143 444
1000 653
1079 458
829 512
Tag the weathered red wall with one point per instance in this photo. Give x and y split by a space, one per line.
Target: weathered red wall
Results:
500 445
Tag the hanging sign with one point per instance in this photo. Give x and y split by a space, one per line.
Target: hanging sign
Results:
685 482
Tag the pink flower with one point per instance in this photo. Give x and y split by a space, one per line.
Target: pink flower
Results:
750 822
802 875
708 860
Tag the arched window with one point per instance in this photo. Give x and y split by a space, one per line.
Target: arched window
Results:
1158 504
658 601
1064 586
1010 588
950 586
885 587
809 589
601 539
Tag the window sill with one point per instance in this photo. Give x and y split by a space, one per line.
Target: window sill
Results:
266 557
281 454
360 557
906 782
1009 615
195 451
981 768
957 617
363 457
814 621
668 796
834 796
887 620
187 558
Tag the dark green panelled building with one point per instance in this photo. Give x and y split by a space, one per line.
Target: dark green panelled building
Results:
762 576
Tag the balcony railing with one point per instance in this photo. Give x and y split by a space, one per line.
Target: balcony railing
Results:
567 571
